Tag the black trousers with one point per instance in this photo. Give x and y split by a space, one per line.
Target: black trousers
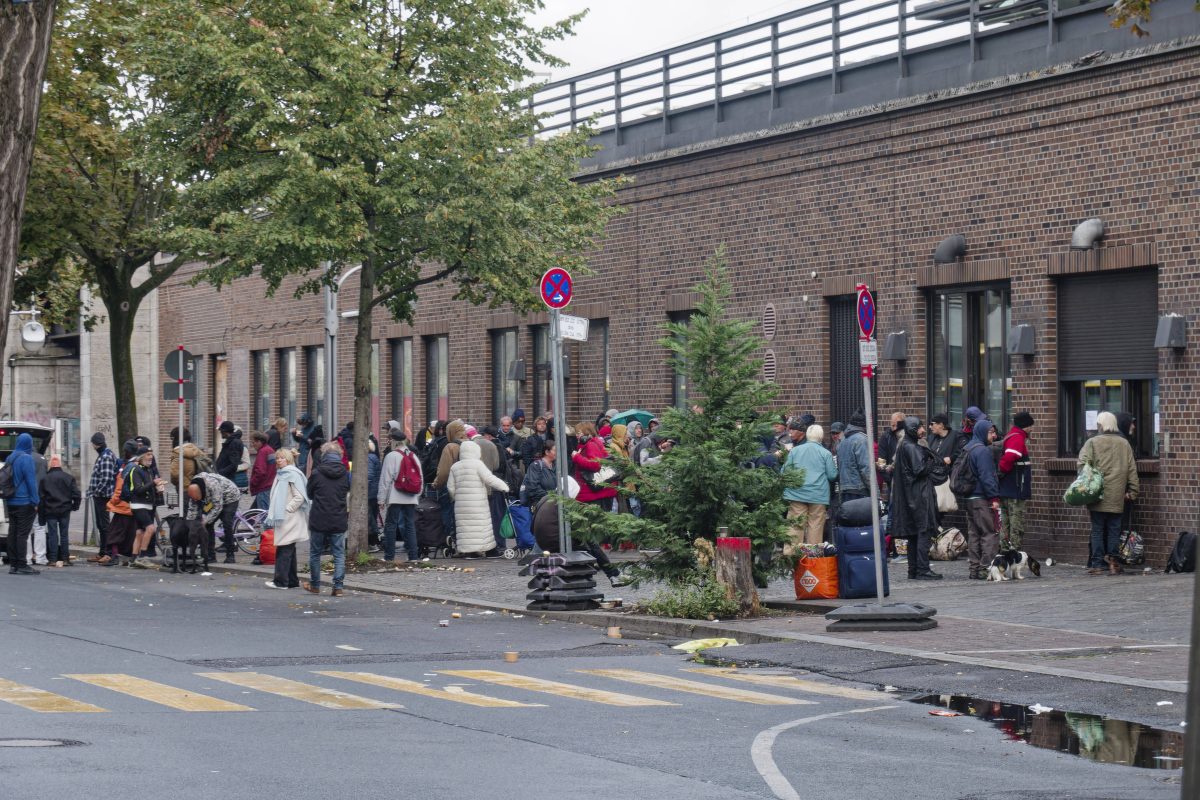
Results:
228 520
918 554
100 507
285 566
20 525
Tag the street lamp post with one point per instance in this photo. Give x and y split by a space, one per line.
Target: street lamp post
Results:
332 320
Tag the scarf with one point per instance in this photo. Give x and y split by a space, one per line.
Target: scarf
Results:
289 475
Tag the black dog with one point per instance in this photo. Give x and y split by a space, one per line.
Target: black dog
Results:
188 536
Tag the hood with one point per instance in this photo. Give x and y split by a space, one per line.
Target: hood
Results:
469 451
331 466
911 427
190 450
852 428
974 414
24 444
981 430
619 433
455 431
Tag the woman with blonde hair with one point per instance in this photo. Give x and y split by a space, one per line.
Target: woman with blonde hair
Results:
1109 453
287 513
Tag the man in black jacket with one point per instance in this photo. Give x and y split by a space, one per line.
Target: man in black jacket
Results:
59 494
944 441
913 513
328 518
230 457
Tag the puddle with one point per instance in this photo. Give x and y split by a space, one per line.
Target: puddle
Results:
1111 741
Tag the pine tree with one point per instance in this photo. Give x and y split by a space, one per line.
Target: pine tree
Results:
711 479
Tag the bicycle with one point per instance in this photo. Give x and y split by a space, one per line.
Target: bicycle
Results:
247 534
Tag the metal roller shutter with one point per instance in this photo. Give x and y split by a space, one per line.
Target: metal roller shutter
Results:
1106 325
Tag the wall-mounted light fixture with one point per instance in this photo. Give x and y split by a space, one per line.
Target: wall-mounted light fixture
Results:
951 249
1171 333
895 346
516 370
1020 340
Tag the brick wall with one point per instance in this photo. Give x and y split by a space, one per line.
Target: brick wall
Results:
1014 171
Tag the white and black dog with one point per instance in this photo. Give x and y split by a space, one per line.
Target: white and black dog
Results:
1010 564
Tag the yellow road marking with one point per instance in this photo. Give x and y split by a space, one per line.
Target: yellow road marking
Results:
159 693
326 698
553 687
40 700
791 682
696 687
401 685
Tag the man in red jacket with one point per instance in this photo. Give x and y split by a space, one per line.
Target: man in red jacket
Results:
1015 472
262 474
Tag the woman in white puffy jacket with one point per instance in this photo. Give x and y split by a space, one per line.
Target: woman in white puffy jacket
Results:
469 482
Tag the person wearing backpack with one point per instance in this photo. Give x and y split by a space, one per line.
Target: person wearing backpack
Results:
21 505
983 501
400 484
194 459
1016 476
1109 453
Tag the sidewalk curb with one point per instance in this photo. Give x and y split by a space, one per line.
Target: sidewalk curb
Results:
666 628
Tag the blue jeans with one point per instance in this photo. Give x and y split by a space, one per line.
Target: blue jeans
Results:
58 543
316 546
262 500
401 520
1106 537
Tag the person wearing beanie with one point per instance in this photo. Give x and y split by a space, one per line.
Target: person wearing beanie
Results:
100 488
1016 474
519 430
854 459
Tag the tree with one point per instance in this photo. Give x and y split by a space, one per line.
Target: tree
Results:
94 209
395 136
715 476
24 44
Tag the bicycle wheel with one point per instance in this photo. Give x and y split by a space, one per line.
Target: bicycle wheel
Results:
247 530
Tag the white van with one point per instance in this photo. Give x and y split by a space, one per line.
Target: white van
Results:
9 431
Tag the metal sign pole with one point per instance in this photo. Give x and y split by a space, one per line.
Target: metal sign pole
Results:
874 487
560 464
179 438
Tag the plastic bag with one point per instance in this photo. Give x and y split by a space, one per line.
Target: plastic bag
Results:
816 578
696 645
1087 488
266 546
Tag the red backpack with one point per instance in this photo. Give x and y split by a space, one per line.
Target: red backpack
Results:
409 478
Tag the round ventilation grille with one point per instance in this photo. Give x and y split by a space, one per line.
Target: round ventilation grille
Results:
769 366
770 322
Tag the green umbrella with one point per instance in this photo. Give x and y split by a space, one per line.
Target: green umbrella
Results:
625 417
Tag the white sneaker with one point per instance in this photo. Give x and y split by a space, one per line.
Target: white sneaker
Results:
273 585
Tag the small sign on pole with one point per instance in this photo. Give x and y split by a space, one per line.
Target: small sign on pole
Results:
573 328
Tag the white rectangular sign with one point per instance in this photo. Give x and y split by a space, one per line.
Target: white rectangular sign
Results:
575 328
868 352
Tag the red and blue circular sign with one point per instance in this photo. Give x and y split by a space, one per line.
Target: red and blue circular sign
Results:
866 313
556 288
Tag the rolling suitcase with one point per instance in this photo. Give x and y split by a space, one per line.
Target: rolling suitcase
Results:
856 562
430 536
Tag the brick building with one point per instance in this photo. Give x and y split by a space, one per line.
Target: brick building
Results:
1010 134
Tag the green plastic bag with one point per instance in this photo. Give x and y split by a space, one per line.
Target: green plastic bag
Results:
506 528
1087 488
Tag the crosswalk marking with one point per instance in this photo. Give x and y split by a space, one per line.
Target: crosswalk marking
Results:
788 682
160 693
401 685
326 698
40 700
696 687
553 687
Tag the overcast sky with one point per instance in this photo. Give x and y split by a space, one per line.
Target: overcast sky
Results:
618 30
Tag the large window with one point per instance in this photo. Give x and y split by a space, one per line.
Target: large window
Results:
402 384
598 337
679 381
376 424
1106 356
543 386
287 386
845 375
262 389
437 377
968 355
505 387
314 370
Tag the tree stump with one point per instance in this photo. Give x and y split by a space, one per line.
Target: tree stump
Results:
735 572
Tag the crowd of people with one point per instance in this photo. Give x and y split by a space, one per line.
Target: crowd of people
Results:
300 481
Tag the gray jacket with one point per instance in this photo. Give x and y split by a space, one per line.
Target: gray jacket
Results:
854 461
388 493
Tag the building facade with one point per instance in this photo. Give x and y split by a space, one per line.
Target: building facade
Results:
1009 152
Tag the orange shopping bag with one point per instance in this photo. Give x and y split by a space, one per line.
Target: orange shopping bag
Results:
816 578
266 546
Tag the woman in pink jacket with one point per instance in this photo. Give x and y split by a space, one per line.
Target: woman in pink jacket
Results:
588 460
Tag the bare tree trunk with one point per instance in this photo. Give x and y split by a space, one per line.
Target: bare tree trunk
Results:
24 44
120 337
360 504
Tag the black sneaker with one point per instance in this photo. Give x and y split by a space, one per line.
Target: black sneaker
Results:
25 570
229 559
927 576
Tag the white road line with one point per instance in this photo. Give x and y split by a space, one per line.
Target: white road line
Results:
764 762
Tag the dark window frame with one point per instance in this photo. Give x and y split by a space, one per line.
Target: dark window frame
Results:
975 372
437 378
505 391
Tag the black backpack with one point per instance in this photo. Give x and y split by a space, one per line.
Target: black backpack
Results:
962 476
431 457
1183 555
8 482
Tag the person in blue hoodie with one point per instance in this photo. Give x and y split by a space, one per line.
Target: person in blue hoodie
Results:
983 538
22 506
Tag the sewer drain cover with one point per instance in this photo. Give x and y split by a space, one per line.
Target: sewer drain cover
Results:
38 743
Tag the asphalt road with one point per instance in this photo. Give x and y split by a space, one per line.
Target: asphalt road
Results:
187 687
